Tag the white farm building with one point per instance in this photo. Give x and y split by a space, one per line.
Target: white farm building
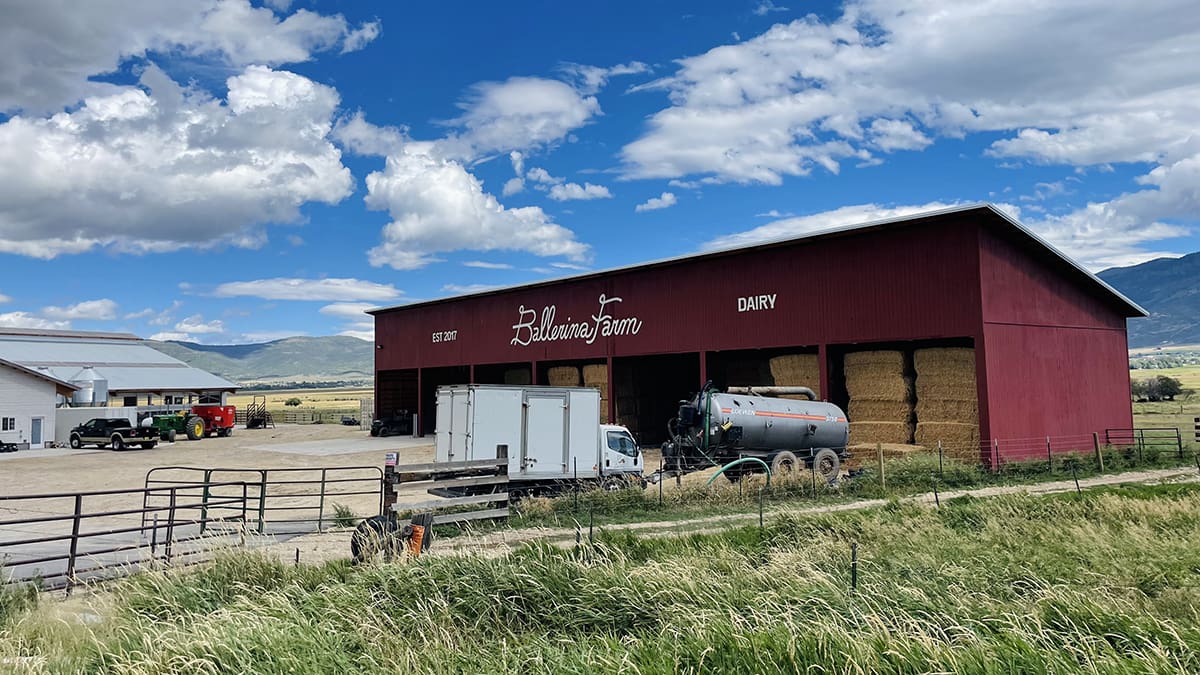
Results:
44 371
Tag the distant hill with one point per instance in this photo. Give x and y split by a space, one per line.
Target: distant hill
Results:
1168 288
296 359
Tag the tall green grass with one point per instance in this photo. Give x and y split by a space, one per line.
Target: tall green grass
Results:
1106 583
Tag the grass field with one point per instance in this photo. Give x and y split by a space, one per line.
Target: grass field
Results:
1106 582
319 400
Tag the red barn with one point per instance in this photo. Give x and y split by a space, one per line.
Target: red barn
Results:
876 317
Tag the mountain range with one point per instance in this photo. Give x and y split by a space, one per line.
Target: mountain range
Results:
290 360
1167 288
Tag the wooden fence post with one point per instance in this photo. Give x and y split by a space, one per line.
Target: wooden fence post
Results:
1099 455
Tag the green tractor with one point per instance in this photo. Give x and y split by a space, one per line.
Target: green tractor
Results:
181 423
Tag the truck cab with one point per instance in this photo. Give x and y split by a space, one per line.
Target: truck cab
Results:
621 452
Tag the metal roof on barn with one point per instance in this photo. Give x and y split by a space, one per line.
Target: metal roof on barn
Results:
989 213
126 362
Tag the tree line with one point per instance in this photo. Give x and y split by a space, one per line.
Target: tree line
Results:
1161 388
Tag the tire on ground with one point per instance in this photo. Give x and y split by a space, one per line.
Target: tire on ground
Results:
118 443
784 462
827 465
170 436
375 536
195 428
76 442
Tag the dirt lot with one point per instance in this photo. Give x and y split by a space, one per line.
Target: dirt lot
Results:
64 470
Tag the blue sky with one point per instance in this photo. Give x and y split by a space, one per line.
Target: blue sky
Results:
226 171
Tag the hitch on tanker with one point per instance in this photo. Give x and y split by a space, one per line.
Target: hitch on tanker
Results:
715 428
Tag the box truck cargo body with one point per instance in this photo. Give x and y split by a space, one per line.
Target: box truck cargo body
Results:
547 433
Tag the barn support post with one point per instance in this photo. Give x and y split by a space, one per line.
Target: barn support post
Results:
611 413
533 372
420 405
471 374
823 370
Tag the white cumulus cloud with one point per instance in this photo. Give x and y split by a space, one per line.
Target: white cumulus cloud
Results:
348 310
93 310
159 166
575 191
52 48
663 201
27 320
331 289
437 206
196 324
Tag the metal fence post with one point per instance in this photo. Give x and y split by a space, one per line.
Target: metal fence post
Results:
154 539
1049 456
996 455
321 504
262 500
74 542
575 483
204 501
171 526
661 478
941 468
879 457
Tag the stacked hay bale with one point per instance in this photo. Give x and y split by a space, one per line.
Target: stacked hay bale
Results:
881 397
947 401
627 403
796 370
563 376
517 376
595 375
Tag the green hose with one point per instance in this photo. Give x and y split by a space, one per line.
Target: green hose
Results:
739 461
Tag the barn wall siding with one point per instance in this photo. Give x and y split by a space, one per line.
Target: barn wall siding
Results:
23 397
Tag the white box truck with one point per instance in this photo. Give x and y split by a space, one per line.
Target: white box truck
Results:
552 436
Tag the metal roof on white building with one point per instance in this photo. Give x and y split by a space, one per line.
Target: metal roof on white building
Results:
124 360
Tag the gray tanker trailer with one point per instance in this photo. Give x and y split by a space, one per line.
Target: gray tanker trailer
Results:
716 428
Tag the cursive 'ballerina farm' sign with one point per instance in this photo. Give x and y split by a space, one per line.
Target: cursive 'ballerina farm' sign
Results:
533 327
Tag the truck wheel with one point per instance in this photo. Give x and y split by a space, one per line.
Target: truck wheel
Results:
827 465
784 463
373 537
228 432
614 484
170 436
118 443
195 428
384 432
76 443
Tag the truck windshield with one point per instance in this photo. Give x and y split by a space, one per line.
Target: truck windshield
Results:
622 443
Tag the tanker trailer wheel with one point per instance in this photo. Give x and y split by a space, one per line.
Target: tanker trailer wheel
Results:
195 428
827 465
375 536
784 463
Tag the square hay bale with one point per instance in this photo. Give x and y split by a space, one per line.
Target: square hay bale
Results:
563 376
518 376
601 387
595 373
946 390
796 370
888 359
952 435
875 410
878 384
947 410
944 359
865 454
881 432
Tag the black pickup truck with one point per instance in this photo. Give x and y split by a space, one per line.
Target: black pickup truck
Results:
118 433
